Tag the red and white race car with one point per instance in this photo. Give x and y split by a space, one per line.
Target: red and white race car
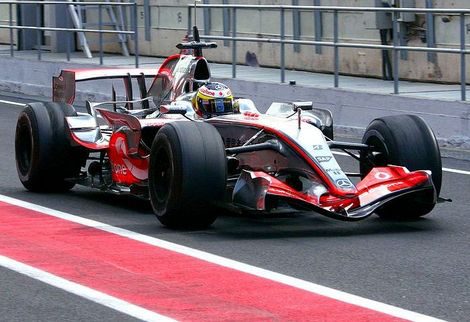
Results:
160 147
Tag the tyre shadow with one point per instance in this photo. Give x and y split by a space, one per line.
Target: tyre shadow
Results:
313 225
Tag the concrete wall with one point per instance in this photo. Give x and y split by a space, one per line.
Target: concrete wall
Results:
4 20
169 26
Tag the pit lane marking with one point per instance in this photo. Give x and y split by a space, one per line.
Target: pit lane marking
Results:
83 291
456 171
224 262
443 169
12 103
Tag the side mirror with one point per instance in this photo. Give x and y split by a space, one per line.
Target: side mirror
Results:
306 106
160 88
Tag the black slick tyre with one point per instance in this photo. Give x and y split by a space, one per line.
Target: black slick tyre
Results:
43 151
404 140
187 174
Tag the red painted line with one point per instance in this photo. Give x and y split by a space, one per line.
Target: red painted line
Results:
172 284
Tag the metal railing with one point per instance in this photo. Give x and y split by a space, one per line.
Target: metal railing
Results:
39 29
395 47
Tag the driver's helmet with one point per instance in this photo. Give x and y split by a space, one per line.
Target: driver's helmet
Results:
213 99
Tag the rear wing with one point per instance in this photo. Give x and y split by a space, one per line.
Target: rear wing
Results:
64 85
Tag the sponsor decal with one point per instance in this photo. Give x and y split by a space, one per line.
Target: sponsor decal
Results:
232 142
382 176
344 183
219 105
215 86
250 115
317 147
215 90
334 172
119 169
323 158
205 91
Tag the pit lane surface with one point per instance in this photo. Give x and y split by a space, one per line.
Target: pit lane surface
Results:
421 266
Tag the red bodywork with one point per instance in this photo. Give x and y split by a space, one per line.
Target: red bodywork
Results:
129 159
378 184
127 168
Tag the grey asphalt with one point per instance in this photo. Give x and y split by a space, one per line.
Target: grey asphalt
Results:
25 299
422 265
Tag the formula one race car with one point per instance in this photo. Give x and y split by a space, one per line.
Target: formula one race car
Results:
189 147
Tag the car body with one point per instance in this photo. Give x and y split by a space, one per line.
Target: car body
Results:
188 166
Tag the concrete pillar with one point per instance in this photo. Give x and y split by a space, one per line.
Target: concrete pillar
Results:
60 18
26 15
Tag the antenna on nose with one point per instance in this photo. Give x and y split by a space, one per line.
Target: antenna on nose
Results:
195 12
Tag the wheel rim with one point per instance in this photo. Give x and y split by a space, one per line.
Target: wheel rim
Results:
24 148
163 175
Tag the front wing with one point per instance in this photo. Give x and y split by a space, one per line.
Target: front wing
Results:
382 185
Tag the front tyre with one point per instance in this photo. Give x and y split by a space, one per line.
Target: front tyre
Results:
404 140
187 174
44 155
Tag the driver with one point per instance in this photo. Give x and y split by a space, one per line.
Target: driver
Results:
213 99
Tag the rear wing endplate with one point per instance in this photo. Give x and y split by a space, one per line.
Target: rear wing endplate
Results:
64 85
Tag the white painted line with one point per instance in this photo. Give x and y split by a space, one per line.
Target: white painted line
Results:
443 169
218 260
83 291
12 103
456 171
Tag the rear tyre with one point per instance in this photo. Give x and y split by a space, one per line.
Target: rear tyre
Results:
187 174
44 155
404 140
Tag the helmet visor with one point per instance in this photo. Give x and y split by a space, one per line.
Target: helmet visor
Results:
216 105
